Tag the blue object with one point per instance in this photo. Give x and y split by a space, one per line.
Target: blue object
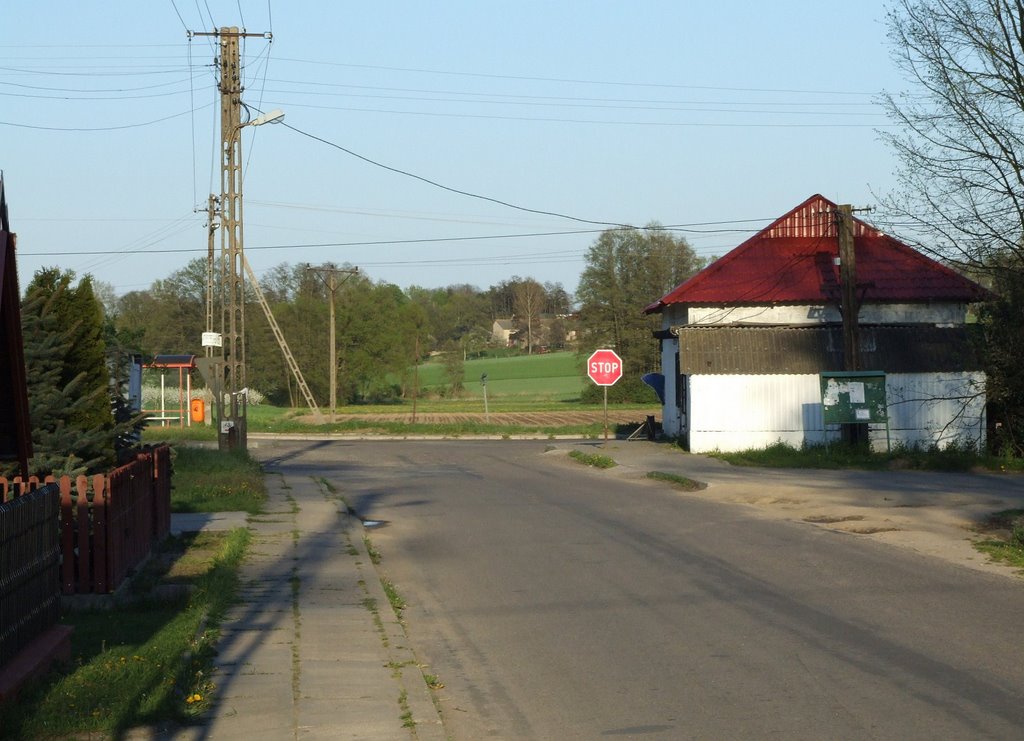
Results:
657 382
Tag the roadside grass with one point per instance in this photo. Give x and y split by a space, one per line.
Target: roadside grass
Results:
207 480
288 421
592 459
143 663
1006 544
837 456
398 604
680 482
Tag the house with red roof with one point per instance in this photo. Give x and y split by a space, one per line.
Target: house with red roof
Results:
745 340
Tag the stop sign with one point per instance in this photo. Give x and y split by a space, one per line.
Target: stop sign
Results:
604 367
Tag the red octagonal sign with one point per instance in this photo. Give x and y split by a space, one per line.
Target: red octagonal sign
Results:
604 367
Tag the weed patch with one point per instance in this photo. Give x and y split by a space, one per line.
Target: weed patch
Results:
394 598
371 551
592 459
680 482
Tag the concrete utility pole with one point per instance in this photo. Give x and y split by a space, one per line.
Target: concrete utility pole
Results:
232 432
332 285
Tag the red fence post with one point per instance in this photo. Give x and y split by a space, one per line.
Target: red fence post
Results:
84 585
100 536
162 490
67 537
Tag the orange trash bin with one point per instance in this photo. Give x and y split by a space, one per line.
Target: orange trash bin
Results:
198 410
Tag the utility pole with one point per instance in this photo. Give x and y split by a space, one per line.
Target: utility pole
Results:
332 285
848 279
232 425
853 434
212 211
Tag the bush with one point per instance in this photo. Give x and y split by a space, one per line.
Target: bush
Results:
151 396
626 391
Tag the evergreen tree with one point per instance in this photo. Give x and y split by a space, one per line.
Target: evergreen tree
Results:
59 445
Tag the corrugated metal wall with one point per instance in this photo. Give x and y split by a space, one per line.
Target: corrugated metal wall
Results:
736 412
707 350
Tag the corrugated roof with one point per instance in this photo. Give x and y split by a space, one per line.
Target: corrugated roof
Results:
793 261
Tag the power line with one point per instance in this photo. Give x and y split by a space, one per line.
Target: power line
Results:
664 106
572 81
178 13
517 96
97 128
365 243
553 119
450 189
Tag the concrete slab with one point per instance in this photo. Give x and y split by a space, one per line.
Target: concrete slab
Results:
199 522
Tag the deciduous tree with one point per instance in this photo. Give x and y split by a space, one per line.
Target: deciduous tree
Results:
626 270
959 140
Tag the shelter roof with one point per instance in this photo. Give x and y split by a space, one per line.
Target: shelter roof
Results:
794 260
172 361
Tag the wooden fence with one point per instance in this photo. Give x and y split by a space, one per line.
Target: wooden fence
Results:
108 524
29 568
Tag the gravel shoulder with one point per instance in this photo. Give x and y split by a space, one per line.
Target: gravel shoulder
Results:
933 513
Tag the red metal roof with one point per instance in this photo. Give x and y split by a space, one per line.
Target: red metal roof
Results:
794 261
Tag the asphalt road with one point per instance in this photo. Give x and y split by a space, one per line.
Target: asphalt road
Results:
554 603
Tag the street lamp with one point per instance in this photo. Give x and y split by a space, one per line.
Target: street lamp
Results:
275 116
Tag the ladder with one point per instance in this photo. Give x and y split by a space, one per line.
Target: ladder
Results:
282 343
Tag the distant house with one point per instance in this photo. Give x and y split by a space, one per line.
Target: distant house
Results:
743 341
551 331
502 331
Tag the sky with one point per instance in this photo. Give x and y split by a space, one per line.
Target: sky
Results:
711 118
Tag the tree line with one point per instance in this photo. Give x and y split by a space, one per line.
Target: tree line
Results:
79 334
381 330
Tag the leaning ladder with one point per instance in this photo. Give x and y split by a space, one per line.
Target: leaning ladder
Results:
282 343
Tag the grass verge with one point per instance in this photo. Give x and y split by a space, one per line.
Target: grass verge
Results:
592 459
951 458
207 480
143 664
1007 542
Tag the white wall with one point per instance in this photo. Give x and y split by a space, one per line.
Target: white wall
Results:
731 412
936 313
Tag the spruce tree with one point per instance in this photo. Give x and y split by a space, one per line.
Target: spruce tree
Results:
59 446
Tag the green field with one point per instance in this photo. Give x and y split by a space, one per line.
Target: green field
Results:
551 376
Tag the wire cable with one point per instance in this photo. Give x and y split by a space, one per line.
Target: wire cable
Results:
457 191
95 128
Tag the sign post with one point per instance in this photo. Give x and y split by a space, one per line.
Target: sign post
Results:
604 367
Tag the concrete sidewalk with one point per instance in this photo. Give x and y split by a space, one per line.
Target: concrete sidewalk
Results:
313 650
